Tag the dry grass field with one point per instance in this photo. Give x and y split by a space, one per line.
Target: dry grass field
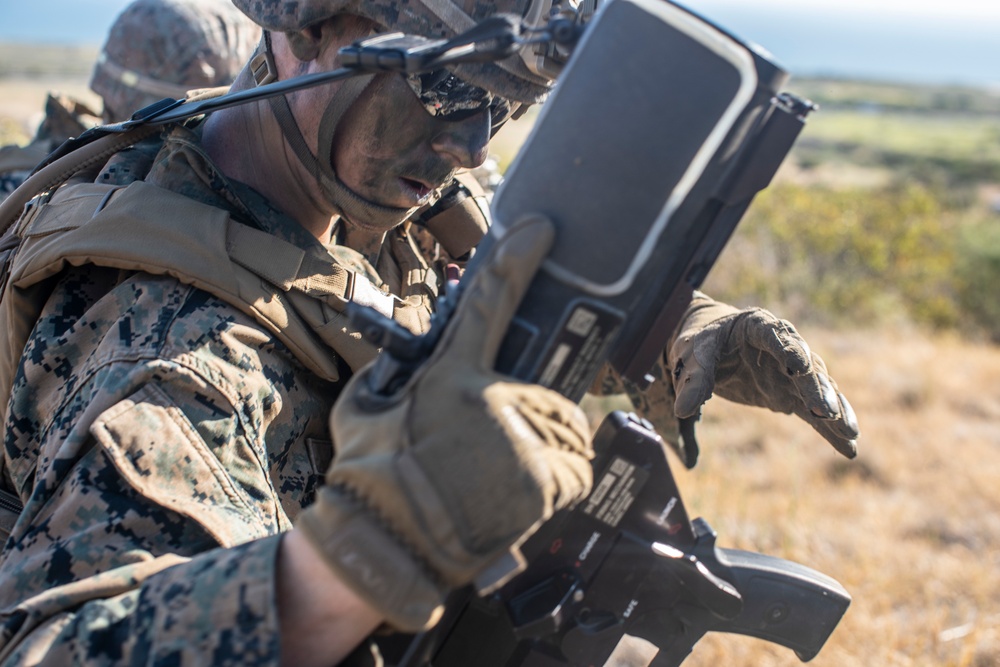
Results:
911 528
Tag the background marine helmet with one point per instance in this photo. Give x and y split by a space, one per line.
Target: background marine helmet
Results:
510 78
163 48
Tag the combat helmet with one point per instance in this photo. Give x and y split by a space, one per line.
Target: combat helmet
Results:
511 78
163 48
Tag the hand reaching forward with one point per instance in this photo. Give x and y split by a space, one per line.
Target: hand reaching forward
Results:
752 357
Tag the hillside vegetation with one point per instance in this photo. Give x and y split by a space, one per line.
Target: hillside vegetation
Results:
888 210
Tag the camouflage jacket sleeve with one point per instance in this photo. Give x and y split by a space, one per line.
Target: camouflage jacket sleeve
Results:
153 435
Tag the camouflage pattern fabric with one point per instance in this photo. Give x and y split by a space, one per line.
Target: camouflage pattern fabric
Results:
131 164
163 48
509 78
161 441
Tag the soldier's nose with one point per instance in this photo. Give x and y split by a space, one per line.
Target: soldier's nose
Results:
464 142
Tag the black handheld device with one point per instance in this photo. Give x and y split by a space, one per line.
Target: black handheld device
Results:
660 131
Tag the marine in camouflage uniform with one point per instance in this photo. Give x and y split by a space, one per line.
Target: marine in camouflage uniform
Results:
155 49
163 438
162 461
174 426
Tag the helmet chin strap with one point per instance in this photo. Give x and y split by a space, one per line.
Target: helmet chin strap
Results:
351 206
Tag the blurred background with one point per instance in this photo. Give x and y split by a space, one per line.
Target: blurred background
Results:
880 240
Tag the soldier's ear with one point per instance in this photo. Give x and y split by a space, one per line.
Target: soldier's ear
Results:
306 44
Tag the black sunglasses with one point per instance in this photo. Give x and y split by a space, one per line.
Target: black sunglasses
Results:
444 94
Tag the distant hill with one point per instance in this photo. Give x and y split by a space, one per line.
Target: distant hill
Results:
46 60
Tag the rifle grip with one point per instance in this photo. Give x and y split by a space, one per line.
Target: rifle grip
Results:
784 602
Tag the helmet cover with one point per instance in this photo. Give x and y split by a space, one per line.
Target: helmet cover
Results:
163 48
509 78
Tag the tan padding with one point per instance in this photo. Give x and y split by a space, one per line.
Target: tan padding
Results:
459 228
93 154
67 233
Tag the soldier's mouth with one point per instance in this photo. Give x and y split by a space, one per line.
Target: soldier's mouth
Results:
418 191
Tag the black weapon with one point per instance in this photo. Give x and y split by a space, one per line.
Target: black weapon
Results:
629 562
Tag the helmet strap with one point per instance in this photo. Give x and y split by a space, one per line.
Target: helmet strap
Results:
349 204
262 64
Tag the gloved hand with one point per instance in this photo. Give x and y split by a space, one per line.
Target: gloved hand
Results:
430 488
752 357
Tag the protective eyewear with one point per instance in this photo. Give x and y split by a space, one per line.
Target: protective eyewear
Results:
446 96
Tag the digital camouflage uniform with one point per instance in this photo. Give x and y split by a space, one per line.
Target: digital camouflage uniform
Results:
151 423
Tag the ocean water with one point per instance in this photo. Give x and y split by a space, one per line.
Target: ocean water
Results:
962 48
807 38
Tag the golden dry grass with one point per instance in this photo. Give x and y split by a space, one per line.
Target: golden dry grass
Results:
911 527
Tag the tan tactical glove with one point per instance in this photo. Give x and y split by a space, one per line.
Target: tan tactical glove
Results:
430 489
752 357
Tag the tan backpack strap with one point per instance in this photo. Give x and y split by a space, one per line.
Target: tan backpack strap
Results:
291 268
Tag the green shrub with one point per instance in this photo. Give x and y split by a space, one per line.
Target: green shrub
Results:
978 271
856 256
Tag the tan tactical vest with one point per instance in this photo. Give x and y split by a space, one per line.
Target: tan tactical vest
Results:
297 296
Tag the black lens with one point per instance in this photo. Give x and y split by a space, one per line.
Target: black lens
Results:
445 95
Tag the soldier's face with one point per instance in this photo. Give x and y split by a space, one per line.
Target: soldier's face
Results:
391 151
381 141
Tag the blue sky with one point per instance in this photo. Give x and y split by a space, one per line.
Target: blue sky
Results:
938 41
59 21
